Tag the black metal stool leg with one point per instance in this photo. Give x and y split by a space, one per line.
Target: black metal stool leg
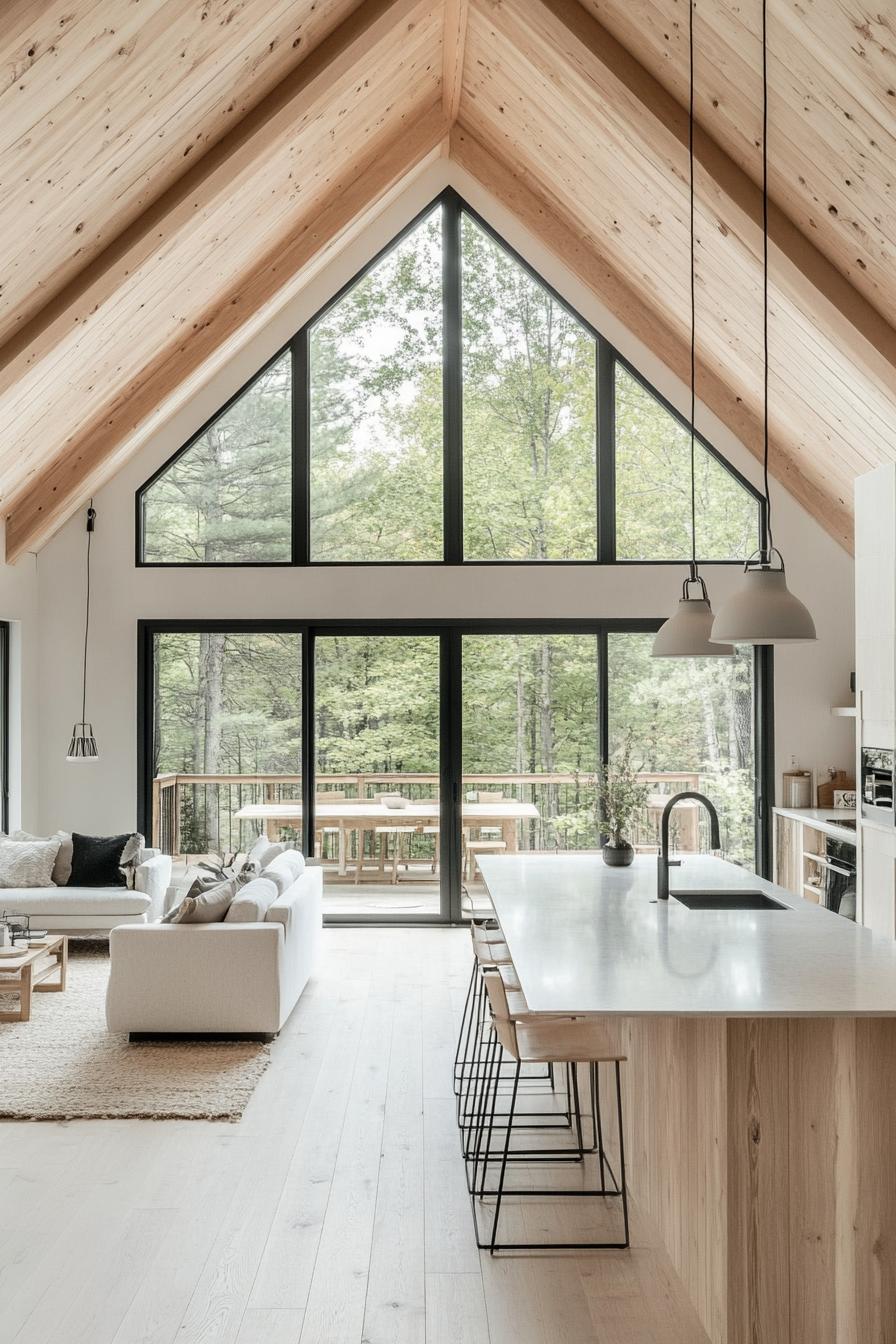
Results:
463 1042
503 1172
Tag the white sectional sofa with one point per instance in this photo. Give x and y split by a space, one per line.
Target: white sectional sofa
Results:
83 910
218 978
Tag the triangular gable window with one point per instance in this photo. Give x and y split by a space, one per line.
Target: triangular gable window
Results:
445 406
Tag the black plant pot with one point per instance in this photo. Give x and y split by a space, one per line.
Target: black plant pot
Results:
618 856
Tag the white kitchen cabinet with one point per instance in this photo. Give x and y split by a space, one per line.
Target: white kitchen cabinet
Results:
879 879
875 496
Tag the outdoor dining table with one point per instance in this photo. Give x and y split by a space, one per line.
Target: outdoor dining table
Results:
360 814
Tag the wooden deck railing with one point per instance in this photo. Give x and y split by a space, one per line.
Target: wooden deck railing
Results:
195 814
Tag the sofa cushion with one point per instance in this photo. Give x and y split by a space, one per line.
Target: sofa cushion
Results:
252 902
286 869
262 853
204 907
68 901
27 863
62 868
100 860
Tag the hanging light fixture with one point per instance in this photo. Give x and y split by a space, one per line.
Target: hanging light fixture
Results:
83 744
686 634
762 609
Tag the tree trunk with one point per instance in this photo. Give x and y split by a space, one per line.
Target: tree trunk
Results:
546 716
520 755
211 660
709 723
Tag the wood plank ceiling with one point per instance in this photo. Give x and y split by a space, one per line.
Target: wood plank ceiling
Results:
172 169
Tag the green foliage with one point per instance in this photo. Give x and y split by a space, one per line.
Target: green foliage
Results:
227 498
621 795
232 703
653 487
376 435
529 427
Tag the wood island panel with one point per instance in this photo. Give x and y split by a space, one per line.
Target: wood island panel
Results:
762 1149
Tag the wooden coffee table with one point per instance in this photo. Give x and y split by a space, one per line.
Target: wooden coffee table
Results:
31 971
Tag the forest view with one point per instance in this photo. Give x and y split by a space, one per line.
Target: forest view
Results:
231 703
375 415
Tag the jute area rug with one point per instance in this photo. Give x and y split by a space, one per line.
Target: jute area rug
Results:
65 1065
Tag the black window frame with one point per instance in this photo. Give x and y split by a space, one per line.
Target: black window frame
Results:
607 357
451 633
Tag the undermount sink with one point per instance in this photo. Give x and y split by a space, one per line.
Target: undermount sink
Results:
727 900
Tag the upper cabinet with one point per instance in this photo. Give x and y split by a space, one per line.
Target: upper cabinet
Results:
876 605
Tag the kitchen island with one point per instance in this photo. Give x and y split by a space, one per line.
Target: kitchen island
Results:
760 1084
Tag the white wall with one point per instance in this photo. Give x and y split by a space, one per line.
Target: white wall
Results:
18 605
102 797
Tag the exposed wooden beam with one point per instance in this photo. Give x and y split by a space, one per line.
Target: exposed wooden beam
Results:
565 37
187 362
453 42
582 257
296 98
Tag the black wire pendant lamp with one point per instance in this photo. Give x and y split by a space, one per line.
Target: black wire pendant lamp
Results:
83 744
762 609
687 632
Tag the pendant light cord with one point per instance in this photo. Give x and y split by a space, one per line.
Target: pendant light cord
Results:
691 6
769 540
91 517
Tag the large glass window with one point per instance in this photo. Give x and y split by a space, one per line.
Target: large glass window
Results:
653 486
227 497
222 749
445 407
529 422
375 378
226 737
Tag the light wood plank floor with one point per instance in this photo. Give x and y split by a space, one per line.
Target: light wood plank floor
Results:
335 1212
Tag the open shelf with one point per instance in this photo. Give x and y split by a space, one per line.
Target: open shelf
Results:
843 711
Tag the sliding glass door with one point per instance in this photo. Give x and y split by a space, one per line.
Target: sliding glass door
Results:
226 740
377 815
399 755
530 713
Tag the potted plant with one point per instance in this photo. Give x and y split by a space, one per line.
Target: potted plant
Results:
620 797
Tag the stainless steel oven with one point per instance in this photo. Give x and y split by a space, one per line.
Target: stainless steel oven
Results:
877 783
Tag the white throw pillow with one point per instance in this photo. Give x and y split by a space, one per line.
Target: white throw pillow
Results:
27 863
285 869
252 902
62 868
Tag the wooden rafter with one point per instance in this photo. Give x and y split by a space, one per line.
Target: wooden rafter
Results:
242 172
453 42
186 363
569 37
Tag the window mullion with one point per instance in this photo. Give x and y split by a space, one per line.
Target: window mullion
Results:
452 382
606 452
301 456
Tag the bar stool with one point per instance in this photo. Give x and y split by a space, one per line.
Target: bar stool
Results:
528 1038
490 953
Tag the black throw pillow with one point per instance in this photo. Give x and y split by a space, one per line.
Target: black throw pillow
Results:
96 860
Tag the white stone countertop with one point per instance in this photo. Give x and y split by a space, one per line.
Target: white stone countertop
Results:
826 819
590 939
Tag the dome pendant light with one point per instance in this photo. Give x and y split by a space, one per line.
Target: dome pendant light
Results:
762 609
687 631
82 746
